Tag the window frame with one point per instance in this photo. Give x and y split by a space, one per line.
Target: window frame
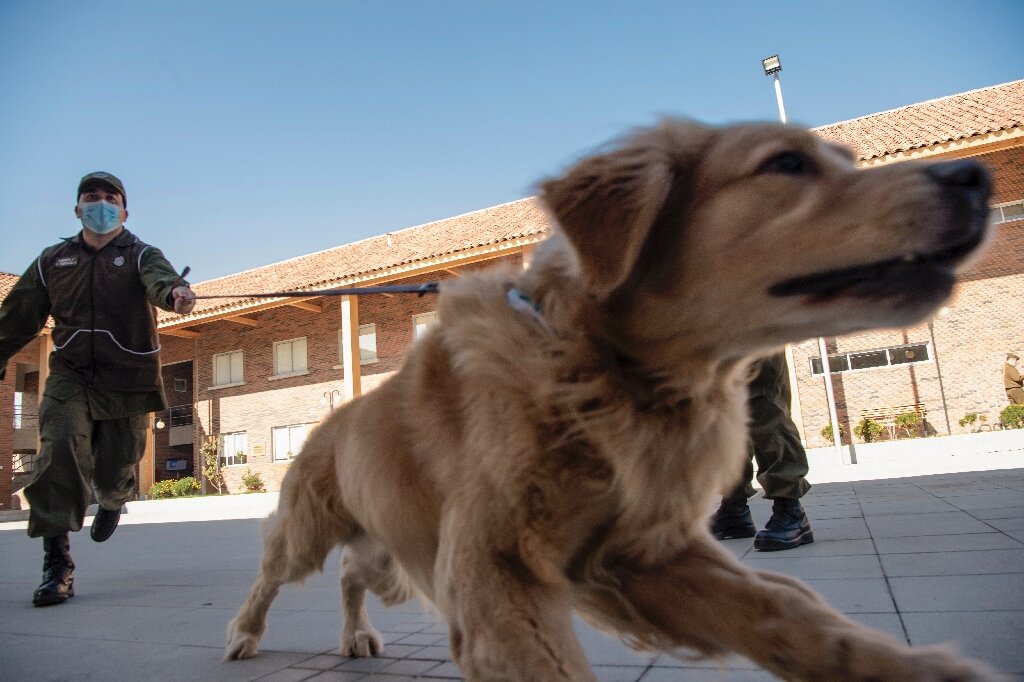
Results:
241 369
291 343
284 457
886 350
430 315
222 458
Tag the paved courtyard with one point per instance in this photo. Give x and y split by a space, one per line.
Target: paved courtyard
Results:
927 559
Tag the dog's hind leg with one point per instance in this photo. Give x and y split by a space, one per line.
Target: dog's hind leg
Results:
297 539
707 600
367 566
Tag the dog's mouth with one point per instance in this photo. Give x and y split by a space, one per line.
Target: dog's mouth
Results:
900 276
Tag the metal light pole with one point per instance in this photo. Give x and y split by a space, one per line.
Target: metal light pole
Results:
772 67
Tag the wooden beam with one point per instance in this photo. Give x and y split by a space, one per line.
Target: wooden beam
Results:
307 306
452 272
183 333
241 319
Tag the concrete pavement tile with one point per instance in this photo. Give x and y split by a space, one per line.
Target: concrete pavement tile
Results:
955 563
995 500
288 675
618 673
1014 525
197 663
707 675
823 547
998 513
446 671
728 662
400 650
323 662
42 658
914 525
602 649
833 511
945 543
840 529
423 639
855 595
386 677
433 653
409 667
958 593
928 505
337 676
991 636
363 665
803 567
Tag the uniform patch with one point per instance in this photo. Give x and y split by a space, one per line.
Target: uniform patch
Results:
66 262
119 261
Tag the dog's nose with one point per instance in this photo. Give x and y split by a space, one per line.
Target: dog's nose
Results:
961 174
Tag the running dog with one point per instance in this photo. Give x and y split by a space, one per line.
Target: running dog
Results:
556 442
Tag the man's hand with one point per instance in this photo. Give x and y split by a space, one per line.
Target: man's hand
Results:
184 300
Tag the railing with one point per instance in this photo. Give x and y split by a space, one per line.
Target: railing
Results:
24 462
180 415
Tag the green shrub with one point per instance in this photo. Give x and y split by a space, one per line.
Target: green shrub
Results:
161 490
868 430
826 433
908 421
252 482
1012 417
185 487
968 420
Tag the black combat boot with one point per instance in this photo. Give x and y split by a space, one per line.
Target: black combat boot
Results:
787 528
733 520
58 573
104 523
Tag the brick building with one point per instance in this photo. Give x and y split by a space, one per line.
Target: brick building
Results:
253 374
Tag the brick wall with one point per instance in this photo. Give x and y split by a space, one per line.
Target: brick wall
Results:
263 402
971 337
29 355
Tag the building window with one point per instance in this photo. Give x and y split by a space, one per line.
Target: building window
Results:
290 357
232 448
422 322
1004 213
869 359
288 440
227 368
367 344
180 385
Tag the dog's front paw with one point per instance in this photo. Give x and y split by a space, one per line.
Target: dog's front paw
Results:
362 643
240 644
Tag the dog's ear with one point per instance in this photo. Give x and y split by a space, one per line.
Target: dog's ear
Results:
606 205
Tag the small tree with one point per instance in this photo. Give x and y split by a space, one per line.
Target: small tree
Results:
826 433
252 482
1012 417
185 487
908 421
969 420
211 467
868 430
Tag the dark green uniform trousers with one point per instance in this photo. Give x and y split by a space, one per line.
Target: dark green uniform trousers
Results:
79 454
774 441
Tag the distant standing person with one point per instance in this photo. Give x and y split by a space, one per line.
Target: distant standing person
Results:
774 443
100 287
1012 380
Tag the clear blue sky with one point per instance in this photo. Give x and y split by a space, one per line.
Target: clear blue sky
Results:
251 131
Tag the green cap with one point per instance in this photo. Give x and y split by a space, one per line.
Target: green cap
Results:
101 178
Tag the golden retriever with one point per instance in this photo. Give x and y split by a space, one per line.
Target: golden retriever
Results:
556 442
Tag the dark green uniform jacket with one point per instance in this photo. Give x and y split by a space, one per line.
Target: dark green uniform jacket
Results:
105 343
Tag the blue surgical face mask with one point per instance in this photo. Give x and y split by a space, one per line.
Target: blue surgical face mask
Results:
101 217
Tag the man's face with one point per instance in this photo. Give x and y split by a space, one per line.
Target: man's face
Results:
101 193
1012 362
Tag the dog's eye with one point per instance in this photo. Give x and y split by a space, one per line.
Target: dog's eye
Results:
789 163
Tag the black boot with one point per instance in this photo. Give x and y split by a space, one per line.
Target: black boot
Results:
104 523
788 527
58 573
733 520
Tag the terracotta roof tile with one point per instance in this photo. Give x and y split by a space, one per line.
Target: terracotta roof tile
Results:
7 282
948 119
324 269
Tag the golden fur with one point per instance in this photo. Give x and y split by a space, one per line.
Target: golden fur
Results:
520 467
